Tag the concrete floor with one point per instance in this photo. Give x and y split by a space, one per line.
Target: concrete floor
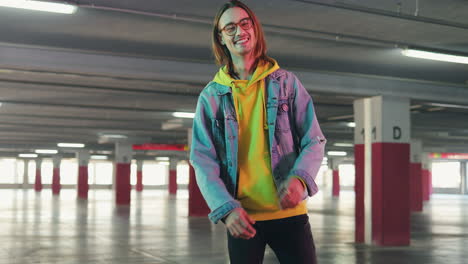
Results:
40 228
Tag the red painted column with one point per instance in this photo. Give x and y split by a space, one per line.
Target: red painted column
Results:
416 185
425 184
426 165
173 176
56 176
123 159
38 178
197 204
384 123
336 183
82 184
390 194
359 192
139 182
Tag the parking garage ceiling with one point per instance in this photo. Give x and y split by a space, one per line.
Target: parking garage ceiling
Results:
123 67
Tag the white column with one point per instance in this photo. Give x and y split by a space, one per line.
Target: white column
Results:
463 168
368 170
26 174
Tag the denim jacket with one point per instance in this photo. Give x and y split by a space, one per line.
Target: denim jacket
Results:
296 141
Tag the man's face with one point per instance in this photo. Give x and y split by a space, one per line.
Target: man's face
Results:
243 41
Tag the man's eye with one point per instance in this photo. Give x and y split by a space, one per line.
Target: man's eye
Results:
230 28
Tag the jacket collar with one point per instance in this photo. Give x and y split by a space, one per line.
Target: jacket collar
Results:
277 74
224 89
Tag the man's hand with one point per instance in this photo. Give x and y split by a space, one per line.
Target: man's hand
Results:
239 224
291 193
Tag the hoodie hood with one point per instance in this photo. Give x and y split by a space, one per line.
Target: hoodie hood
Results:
264 68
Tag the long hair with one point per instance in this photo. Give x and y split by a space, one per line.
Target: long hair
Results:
221 52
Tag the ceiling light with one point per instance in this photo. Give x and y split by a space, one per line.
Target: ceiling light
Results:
336 153
40 6
27 155
433 109
450 105
351 124
98 157
434 56
163 163
115 136
340 117
183 114
162 158
46 151
71 145
345 145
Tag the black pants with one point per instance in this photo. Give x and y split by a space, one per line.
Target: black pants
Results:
290 238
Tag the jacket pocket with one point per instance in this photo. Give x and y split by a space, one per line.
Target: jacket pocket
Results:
282 116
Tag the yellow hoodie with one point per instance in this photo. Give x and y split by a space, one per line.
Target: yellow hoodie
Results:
256 188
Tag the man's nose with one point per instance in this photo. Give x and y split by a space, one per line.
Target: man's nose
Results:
239 30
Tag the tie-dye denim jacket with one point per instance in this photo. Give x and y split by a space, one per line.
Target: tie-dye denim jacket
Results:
295 139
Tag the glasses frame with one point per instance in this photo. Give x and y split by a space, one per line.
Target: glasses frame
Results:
236 26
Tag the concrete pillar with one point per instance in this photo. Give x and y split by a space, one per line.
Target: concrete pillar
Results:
197 204
26 174
139 183
463 184
359 210
336 177
123 159
416 185
382 155
172 186
38 178
425 171
56 175
82 185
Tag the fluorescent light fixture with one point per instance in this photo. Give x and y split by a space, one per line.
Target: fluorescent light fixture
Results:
163 163
27 155
183 114
450 105
46 151
340 117
162 158
336 153
345 145
114 136
351 124
103 152
71 145
98 157
434 56
40 6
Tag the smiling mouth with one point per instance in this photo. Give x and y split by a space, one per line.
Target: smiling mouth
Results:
242 41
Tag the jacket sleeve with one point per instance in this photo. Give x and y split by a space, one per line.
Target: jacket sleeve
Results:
204 160
310 136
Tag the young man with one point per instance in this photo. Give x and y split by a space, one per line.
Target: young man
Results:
256 145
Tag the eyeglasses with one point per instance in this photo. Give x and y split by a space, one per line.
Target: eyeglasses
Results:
231 28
